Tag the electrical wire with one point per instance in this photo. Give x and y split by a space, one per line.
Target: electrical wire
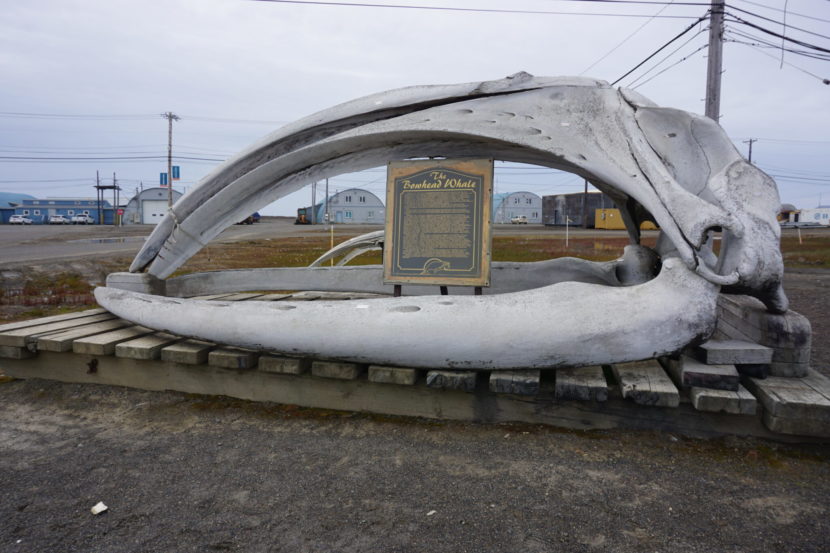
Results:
782 23
670 54
736 19
678 62
626 39
663 47
478 10
758 49
780 10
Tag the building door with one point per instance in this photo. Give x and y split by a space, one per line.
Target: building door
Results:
338 216
153 211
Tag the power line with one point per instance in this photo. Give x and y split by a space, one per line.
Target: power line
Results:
96 117
483 10
663 47
626 39
757 49
678 62
782 23
741 21
781 11
656 65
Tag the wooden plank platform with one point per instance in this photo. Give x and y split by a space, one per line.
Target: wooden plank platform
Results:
645 383
687 373
581 384
60 348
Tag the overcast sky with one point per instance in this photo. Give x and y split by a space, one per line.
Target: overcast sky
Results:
89 79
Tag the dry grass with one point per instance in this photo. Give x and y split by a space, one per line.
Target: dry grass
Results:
812 251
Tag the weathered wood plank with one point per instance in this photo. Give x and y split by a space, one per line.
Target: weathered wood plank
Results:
688 372
645 383
732 352
62 341
393 375
22 336
52 319
233 358
283 365
145 347
581 384
804 399
333 369
740 402
104 344
523 382
188 352
11 352
452 380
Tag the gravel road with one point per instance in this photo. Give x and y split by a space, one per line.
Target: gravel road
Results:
184 473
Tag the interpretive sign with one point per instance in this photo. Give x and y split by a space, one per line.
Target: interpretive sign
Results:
438 222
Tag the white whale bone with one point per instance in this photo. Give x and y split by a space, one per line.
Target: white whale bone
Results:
613 138
362 244
548 327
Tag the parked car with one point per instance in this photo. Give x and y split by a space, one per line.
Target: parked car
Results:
58 220
19 220
250 219
82 219
519 220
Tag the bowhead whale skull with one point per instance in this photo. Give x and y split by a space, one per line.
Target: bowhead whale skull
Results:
673 167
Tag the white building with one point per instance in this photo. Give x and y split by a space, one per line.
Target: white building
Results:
149 207
513 204
819 215
353 206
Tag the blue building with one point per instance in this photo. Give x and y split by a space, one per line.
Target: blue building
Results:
39 210
8 201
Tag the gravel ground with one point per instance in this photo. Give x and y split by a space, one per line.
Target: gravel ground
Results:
184 473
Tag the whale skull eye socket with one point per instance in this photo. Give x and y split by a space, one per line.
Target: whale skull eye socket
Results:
673 167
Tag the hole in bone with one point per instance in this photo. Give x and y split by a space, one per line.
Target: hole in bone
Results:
465 111
582 157
282 306
508 114
405 309
534 130
446 303
713 246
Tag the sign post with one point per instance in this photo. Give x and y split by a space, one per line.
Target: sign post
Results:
438 222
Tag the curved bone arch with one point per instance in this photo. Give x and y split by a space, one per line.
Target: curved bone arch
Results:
662 164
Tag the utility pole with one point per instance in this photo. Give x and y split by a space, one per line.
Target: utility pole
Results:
98 196
714 67
328 219
750 141
114 199
313 203
585 206
170 116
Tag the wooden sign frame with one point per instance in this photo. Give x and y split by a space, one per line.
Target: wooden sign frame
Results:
438 222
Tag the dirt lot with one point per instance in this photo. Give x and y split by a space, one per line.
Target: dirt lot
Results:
187 473
182 473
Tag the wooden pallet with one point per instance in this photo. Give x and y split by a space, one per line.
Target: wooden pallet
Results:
96 347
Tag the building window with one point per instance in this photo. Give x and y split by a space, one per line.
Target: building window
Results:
86 212
370 214
51 203
348 198
348 215
515 200
25 212
37 212
535 214
529 201
70 212
363 199
35 202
